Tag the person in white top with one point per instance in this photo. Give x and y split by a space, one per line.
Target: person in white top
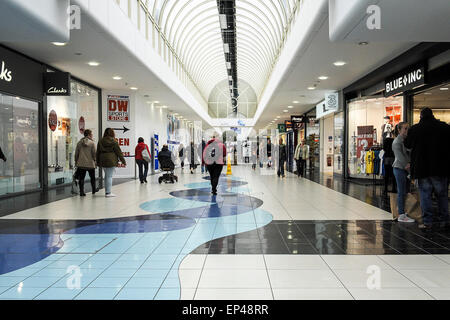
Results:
301 154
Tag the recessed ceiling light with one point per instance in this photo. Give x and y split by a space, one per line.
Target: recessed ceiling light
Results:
78 54
156 101
340 63
295 102
117 78
311 88
133 88
428 93
59 44
285 111
290 107
443 89
323 77
363 43
93 63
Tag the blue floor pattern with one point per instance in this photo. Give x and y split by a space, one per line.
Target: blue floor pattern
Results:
122 258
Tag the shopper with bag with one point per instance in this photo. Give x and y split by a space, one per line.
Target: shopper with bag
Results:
108 156
142 157
429 141
401 168
85 154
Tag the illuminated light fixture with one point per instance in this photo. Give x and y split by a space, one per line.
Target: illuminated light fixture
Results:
428 93
156 101
93 63
285 111
290 107
278 117
363 43
117 78
226 48
340 63
223 21
228 65
443 89
164 107
18 98
295 102
323 78
311 88
59 44
133 88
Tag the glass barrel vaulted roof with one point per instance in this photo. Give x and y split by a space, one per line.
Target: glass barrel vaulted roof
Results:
193 29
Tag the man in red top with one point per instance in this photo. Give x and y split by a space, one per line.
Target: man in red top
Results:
140 159
214 156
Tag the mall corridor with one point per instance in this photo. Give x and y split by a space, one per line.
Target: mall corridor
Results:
252 241
329 121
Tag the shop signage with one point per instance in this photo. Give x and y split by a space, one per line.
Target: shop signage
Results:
281 128
297 122
52 120
288 125
118 108
328 106
20 76
57 84
405 80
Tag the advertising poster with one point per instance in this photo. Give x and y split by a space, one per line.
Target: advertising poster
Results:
364 139
118 111
118 108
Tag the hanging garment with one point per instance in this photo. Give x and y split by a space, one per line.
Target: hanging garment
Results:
362 162
381 156
376 163
369 161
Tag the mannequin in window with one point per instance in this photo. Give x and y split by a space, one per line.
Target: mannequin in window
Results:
386 128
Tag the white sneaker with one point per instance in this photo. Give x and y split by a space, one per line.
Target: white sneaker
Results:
110 195
405 218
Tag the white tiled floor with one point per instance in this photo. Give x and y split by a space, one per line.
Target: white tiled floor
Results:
318 277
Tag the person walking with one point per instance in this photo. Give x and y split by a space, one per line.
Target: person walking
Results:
429 141
214 156
181 155
193 162
142 157
108 156
298 160
401 167
85 160
282 156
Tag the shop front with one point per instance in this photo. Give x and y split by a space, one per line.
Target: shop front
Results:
395 92
42 118
313 140
21 98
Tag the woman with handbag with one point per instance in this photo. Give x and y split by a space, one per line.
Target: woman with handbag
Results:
142 156
108 156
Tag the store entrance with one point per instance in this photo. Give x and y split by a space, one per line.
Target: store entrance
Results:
437 99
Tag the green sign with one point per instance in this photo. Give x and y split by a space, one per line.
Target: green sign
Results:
281 127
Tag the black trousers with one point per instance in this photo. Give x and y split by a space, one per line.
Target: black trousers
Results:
281 168
301 164
82 175
143 169
214 171
388 177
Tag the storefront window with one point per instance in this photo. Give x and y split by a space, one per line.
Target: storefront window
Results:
68 117
338 143
312 139
370 120
437 99
19 140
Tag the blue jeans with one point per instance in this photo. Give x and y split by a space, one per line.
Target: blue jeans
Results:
143 169
440 186
108 179
401 179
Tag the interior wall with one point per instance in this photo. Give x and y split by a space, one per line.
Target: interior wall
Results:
326 145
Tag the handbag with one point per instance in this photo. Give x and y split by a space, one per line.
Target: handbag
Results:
146 155
412 206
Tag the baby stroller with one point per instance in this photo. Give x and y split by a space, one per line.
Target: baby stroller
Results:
167 166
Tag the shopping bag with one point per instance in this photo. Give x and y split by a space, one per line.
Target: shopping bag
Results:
146 155
393 202
412 207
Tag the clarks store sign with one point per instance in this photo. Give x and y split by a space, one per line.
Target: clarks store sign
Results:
406 80
57 84
5 74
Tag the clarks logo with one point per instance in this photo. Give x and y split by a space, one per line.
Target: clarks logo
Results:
55 90
5 74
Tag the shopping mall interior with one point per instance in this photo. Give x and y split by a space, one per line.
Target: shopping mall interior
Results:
320 194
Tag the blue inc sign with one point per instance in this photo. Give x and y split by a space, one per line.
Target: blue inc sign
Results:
406 80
